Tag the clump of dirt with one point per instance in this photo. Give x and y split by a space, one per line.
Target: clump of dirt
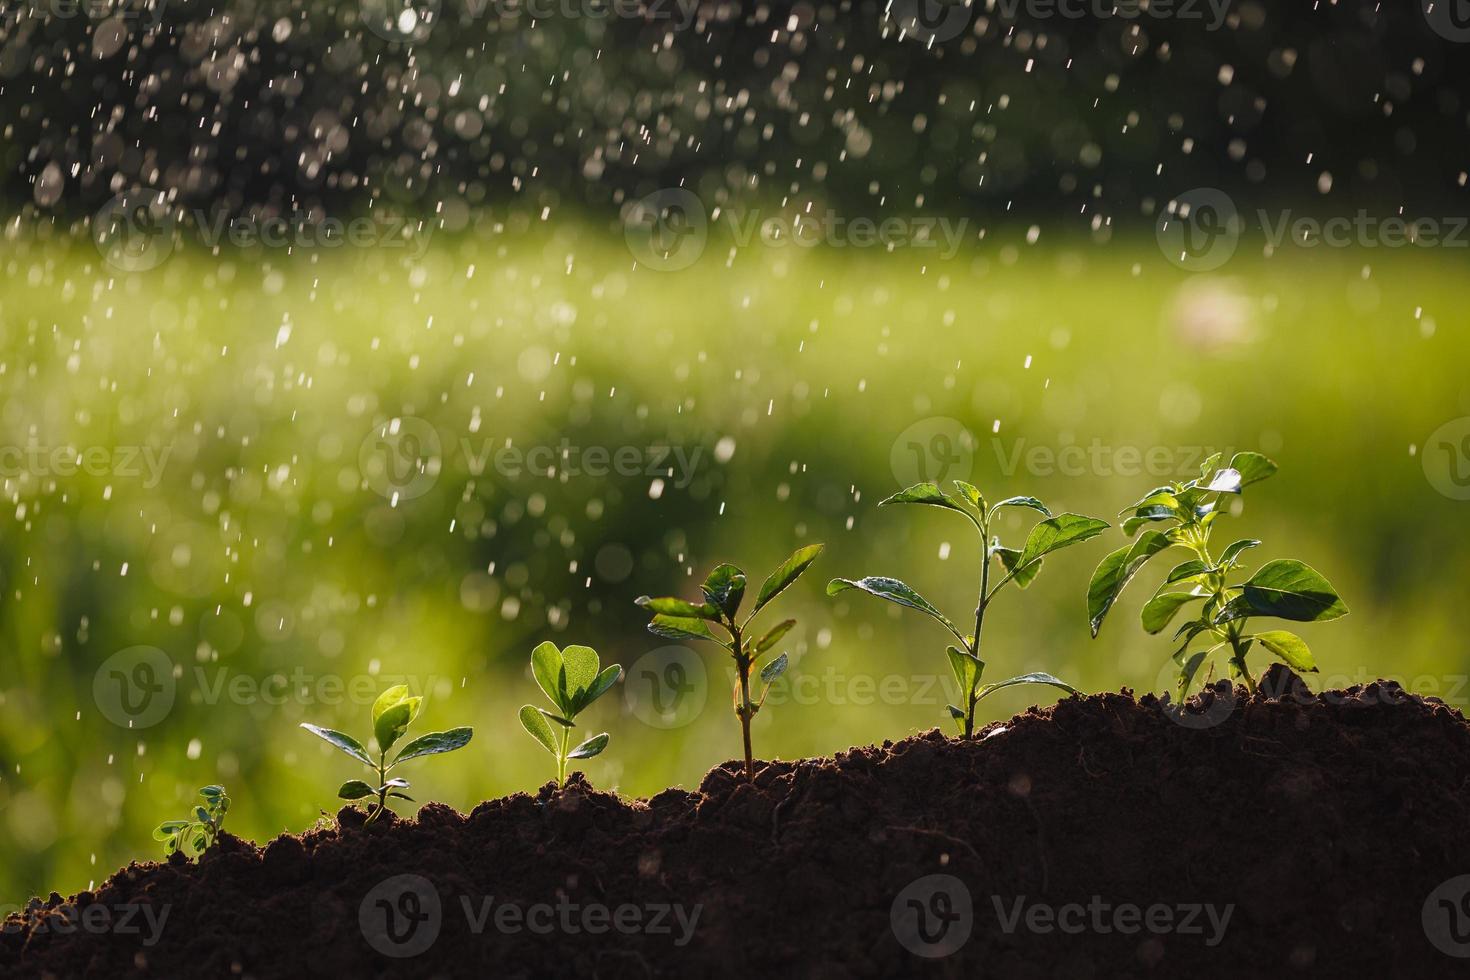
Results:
1276 834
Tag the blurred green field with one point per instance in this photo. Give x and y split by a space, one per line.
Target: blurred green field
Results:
253 540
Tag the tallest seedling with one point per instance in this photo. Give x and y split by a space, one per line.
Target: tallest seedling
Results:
723 591
1020 567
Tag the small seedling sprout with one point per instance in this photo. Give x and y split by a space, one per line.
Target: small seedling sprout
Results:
196 835
393 712
1020 566
572 679
724 589
1284 588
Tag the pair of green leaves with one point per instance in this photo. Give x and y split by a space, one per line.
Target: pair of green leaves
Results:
393 711
194 836
572 679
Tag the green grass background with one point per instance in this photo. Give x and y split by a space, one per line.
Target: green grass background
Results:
262 550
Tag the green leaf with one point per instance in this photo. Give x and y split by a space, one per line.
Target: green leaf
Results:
774 669
1185 570
354 789
1030 502
391 724
1289 648
788 571
927 493
1160 610
971 494
1289 589
1147 515
1209 465
169 828
386 700
580 666
957 714
344 742
1059 532
1230 557
435 743
593 746
682 628
669 606
1033 678
600 685
1252 467
546 667
401 796
1010 558
1158 495
1116 570
894 591
211 792
557 719
533 722
396 782
772 637
1189 665
724 588
967 669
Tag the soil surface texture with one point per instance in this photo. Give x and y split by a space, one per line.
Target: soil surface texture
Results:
1276 834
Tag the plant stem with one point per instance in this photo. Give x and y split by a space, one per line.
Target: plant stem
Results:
382 789
743 710
561 757
979 623
1232 632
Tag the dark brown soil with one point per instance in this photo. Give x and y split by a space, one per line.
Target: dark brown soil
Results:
1319 825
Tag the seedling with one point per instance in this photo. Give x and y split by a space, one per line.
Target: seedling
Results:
393 712
196 835
1284 588
724 590
572 679
1020 566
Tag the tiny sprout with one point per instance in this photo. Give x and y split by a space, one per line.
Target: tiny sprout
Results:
194 836
678 619
393 712
1020 566
572 679
1286 589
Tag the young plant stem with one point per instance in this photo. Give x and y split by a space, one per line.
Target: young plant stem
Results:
743 709
1232 631
979 623
561 756
382 788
